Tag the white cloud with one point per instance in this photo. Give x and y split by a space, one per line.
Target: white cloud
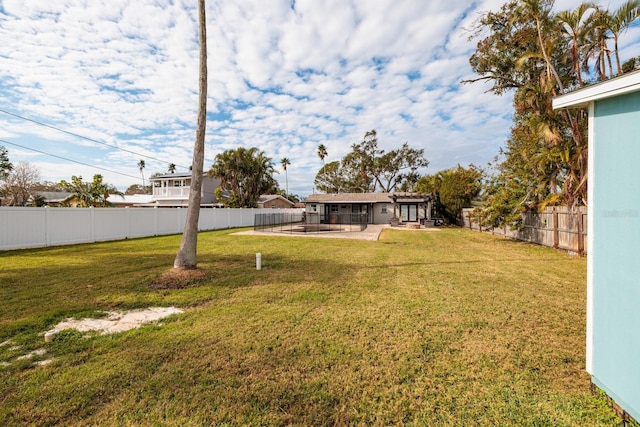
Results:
280 78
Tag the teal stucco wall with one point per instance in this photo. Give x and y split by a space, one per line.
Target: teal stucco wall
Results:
616 250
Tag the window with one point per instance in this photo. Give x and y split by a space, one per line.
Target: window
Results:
313 208
383 209
334 209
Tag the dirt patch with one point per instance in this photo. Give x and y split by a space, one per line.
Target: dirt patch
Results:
178 278
115 321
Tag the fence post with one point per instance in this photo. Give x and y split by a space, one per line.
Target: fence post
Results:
556 232
580 239
92 229
47 226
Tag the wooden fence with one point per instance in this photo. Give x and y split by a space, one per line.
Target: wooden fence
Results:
558 227
27 227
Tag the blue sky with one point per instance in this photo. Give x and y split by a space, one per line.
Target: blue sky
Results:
284 76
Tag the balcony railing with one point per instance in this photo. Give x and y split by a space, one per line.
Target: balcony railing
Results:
171 192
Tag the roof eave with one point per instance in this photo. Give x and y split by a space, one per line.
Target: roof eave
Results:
622 85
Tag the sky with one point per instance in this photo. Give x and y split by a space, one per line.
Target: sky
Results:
94 86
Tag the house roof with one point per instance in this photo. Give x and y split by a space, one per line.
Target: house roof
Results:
349 198
54 196
171 175
264 198
624 84
367 198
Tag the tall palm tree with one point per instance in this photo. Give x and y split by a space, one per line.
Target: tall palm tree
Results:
620 21
576 24
186 257
595 47
322 153
539 12
141 166
172 168
286 162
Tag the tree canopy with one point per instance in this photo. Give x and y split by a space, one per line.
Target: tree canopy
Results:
527 49
19 183
452 189
5 165
94 193
245 174
366 168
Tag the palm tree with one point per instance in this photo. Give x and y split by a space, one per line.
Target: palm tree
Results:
576 24
322 153
596 46
186 257
141 166
244 174
539 12
286 162
620 21
172 168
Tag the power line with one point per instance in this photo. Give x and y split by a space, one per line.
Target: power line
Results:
69 160
85 137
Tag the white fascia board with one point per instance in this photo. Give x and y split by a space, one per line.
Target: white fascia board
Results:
582 97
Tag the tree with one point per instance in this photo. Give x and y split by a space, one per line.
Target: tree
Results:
94 193
19 183
136 189
577 25
619 21
453 189
631 64
284 163
330 179
245 174
322 153
172 168
368 169
5 165
141 166
5 168
186 257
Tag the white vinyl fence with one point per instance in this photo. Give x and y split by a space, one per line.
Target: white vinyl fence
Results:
22 227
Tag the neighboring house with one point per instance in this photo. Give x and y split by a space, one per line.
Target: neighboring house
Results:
613 270
380 208
56 198
274 201
172 190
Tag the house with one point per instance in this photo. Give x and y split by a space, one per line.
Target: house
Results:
613 270
172 190
54 198
380 208
273 201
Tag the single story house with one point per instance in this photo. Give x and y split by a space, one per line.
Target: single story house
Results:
55 198
274 201
380 208
613 224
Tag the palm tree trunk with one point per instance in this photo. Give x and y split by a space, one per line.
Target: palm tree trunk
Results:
186 257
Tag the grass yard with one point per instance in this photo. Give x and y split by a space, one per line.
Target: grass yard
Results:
420 328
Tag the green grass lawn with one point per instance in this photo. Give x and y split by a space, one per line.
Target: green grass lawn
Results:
420 328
